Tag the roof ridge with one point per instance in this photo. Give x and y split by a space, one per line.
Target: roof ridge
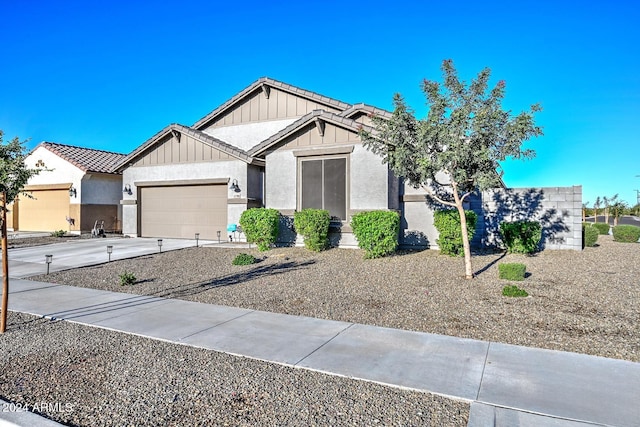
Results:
81 148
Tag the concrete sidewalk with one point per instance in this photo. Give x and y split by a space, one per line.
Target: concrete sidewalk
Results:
507 385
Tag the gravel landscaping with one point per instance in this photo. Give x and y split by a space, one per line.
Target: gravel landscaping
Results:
586 302
87 376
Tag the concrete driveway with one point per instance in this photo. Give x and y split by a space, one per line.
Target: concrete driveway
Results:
26 262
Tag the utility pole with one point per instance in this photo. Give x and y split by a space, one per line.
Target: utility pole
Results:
5 265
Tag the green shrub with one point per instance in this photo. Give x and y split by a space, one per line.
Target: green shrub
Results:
127 279
447 222
243 259
601 227
313 225
626 233
514 291
589 234
376 232
512 271
521 237
260 225
58 233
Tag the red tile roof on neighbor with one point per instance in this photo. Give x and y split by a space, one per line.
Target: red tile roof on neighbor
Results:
87 159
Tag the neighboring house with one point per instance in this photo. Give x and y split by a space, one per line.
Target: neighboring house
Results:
75 187
272 145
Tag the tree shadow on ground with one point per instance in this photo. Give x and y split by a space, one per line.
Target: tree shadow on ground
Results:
511 205
489 265
195 288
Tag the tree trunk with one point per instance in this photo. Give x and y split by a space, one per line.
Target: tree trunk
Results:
468 271
5 265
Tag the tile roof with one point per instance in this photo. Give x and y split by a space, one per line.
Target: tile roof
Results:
87 159
266 81
199 135
303 121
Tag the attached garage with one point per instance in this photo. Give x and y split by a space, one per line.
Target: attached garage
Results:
180 211
48 210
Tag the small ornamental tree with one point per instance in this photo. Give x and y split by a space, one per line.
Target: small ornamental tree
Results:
456 149
14 175
596 206
617 210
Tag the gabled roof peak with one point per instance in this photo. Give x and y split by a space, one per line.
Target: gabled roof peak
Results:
265 83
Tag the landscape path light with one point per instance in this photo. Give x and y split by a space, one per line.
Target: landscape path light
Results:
197 238
109 251
160 245
48 259
218 232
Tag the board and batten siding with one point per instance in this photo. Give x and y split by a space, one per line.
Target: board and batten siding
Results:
309 136
185 149
257 108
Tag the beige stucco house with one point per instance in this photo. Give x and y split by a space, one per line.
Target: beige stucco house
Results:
273 145
76 187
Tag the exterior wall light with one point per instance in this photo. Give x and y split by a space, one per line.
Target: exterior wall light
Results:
73 192
234 186
127 189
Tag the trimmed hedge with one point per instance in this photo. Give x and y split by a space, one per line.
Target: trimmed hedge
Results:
376 232
261 226
601 227
243 259
589 234
521 237
512 271
626 233
447 222
514 291
313 225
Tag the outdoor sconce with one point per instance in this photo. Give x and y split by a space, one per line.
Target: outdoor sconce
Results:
109 251
234 186
127 189
48 259
197 238
73 192
218 233
160 245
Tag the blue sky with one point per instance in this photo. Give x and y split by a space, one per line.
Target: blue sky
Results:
109 75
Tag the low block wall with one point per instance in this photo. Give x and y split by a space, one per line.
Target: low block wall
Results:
558 209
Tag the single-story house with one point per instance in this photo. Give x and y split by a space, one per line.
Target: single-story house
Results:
75 187
273 145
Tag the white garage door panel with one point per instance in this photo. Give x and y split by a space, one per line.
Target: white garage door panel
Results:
182 211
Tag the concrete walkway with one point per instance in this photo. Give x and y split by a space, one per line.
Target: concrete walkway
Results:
507 385
30 261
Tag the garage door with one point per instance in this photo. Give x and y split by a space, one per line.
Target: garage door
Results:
182 211
47 211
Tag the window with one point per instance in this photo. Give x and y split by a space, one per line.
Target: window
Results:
324 185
